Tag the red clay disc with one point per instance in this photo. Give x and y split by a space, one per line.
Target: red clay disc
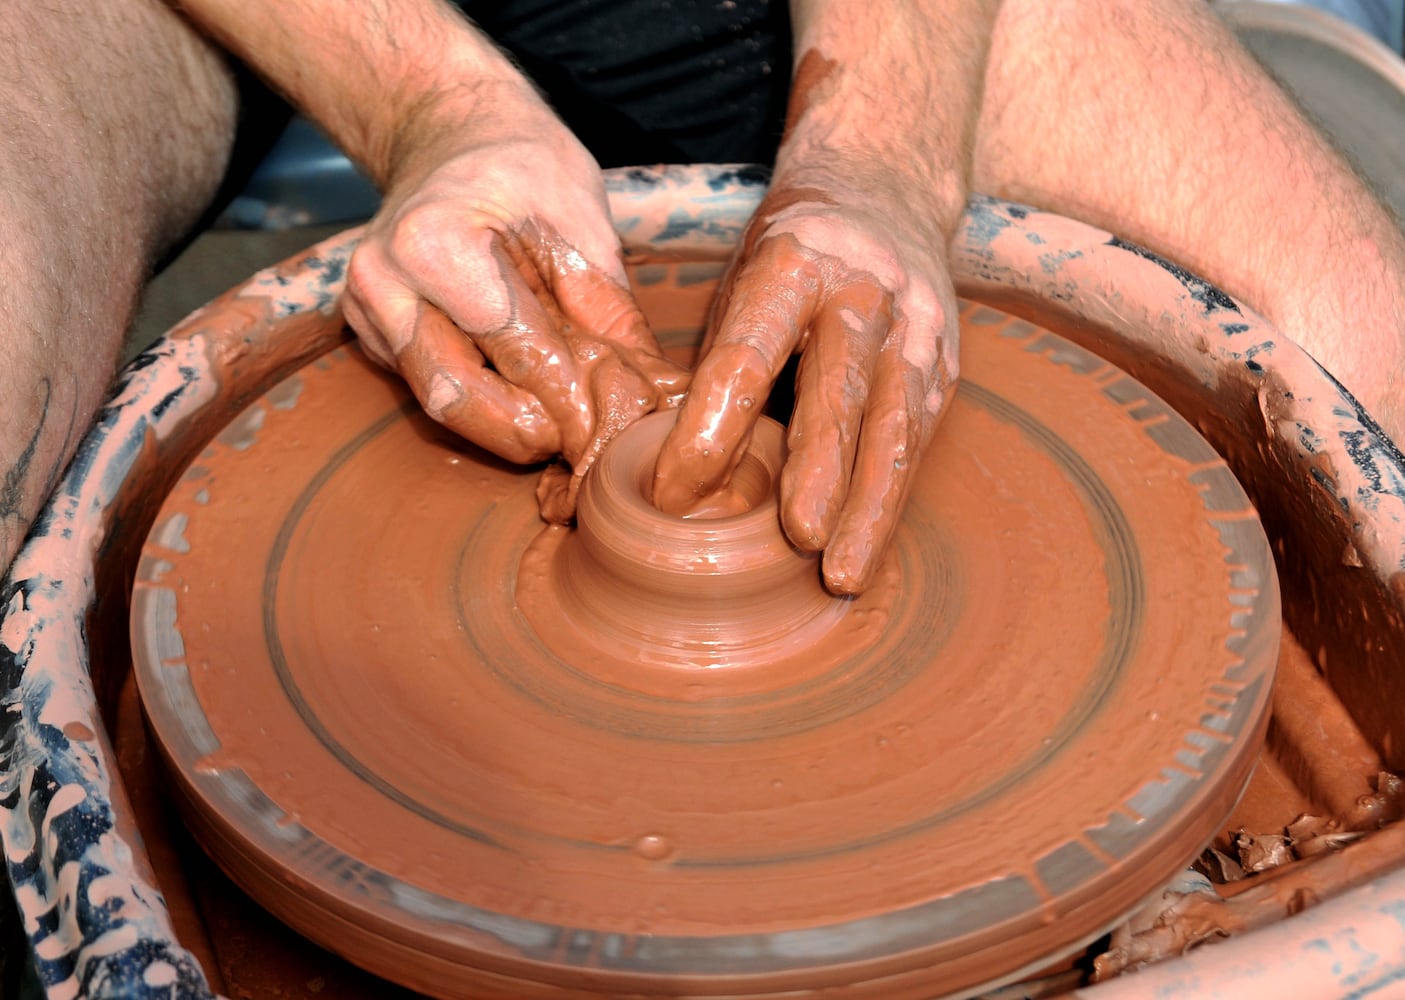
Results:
1046 707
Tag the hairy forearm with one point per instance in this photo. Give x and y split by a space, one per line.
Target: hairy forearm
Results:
370 71
893 83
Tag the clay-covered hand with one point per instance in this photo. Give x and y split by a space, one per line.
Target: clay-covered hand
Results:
492 280
853 278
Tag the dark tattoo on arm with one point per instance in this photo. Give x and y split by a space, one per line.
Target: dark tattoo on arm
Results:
13 510
12 490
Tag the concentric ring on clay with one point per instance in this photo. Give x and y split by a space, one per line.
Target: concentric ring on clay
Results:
911 819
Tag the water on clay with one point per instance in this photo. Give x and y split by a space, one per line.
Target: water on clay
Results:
481 756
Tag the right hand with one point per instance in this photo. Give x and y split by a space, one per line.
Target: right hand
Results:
844 262
491 279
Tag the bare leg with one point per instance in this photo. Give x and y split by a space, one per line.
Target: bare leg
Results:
115 123
1150 120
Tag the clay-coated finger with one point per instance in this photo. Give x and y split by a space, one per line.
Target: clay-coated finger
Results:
468 274
768 312
527 350
897 424
449 377
832 390
593 302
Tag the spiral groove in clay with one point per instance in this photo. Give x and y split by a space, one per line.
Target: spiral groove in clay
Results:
701 591
653 754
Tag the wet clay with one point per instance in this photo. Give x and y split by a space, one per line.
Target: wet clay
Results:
558 358
721 590
870 387
811 72
1315 739
484 757
1334 512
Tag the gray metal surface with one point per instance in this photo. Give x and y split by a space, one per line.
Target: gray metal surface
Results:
1349 83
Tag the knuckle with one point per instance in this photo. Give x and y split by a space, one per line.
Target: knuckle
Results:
516 358
376 348
619 319
523 448
744 360
430 234
364 273
927 306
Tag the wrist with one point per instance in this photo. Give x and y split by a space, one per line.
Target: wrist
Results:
889 91
463 85
473 111
908 190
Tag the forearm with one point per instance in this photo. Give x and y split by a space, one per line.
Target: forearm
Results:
369 72
894 84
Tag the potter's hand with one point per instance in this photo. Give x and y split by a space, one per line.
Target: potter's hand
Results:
850 278
845 262
491 279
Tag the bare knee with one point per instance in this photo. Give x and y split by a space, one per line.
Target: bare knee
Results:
115 124
1067 81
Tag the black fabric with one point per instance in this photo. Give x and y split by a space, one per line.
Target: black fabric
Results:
654 81
263 115
638 81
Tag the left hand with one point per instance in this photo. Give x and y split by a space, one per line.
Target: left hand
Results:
491 280
854 277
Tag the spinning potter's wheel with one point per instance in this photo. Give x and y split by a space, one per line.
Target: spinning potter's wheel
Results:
650 756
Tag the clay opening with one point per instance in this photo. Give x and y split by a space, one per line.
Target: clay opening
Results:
628 466
751 486
720 585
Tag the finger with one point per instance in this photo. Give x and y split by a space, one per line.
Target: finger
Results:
620 395
442 366
615 351
594 304
372 342
378 305
722 301
453 383
898 421
832 388
466 272
589 298
524 345
769 310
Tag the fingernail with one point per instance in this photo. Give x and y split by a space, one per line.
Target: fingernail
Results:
444 391
847 572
